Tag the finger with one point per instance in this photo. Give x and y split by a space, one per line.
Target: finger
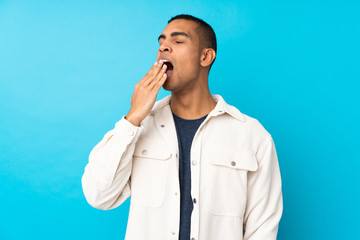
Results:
158 76
148 74
156 69
161 82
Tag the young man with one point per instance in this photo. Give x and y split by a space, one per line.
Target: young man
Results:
195 167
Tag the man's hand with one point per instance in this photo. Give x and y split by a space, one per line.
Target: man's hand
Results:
145 92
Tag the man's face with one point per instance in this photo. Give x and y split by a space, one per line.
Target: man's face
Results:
179 43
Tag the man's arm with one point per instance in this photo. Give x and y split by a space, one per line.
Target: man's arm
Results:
264 200
106 179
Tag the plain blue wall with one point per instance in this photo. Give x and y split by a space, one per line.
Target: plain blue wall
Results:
68 68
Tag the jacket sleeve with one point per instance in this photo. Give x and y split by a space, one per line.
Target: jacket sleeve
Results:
264 201
106 179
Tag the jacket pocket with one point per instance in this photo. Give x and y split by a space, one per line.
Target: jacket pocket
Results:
227 180
149 173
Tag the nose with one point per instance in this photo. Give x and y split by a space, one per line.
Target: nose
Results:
164 47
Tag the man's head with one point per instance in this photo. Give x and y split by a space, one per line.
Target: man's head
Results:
189 44
205 32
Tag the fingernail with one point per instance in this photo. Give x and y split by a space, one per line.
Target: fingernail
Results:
164 75
155 63
161 61
164 66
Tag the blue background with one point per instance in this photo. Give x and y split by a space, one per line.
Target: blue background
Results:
68 69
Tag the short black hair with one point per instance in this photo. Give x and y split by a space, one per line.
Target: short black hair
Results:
205 31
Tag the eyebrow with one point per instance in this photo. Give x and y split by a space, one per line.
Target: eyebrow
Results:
174 34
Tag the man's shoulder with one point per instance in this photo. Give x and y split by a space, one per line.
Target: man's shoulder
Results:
241 119
251 124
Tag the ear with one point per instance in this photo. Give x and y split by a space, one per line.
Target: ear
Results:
207 57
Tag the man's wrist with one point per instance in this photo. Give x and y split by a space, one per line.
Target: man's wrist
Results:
132 120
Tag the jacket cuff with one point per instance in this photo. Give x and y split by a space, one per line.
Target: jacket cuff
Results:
125 128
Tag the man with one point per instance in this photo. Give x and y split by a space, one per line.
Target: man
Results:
195 167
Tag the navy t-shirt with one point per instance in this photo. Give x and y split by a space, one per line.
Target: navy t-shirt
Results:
185 130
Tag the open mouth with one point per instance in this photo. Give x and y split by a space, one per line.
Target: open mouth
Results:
169 69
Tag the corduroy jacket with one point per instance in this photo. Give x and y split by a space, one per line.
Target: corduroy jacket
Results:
235 176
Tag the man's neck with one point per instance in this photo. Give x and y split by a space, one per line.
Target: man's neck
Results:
192 105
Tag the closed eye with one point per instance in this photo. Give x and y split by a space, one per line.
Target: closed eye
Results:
178 42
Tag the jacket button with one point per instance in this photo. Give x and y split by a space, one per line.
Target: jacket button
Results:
194 162
194 200
131 133
173 233
233 163
192 238
144 152
162 126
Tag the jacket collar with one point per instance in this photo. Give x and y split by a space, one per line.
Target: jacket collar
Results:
220 108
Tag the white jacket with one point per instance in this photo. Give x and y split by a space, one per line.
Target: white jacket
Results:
235 176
